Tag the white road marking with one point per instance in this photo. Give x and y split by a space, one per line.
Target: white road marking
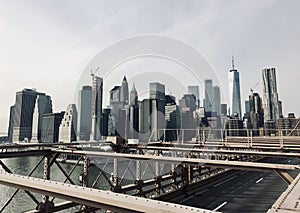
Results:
259 180
289 161
220 206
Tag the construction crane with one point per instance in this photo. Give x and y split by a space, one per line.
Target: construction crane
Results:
93 73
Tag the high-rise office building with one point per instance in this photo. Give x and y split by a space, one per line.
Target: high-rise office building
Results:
144 119
255 111
68 125
97 98
224 109
84 123
208 86
234 92
11 124
247 106
24 110
119 104
173 119
50 127
193 89
216 103
124 92
158 100
134 113
188 100
43 105
270 95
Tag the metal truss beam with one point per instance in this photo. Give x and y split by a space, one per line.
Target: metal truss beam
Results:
266 167
92 197
222 151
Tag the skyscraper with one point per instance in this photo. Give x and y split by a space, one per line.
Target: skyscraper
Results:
234 92
224 109
208 95
158 101
255 111
270 95
23 113
216 101
11 124
84 123
195 91
68 125
144 119
50 127
124 92
134 113
97 97
173 118
43 105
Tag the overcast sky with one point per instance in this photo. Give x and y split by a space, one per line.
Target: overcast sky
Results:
47 44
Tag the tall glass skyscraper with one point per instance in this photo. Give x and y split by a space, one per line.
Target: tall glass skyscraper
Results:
195 91
208 95
26 101
234 92
270 95
97 97
217 101
84 123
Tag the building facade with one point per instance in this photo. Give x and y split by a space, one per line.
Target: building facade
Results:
234 93
270 95
84 124
50 127
68 125
23 114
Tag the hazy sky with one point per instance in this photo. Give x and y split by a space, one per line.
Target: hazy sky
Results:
47 44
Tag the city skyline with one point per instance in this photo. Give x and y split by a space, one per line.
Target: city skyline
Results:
62 37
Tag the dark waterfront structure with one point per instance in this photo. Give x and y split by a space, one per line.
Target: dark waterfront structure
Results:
50 127
23 113
84 113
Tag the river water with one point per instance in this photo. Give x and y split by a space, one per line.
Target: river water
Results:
23 166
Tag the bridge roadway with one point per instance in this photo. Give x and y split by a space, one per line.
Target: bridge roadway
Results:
238 191
277 167
93 197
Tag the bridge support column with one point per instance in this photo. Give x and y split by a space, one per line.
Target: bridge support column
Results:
138 177
115 179
85 177
46 205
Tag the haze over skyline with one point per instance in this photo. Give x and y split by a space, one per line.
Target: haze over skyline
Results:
47 44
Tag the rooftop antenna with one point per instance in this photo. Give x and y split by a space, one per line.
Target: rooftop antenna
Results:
232 61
